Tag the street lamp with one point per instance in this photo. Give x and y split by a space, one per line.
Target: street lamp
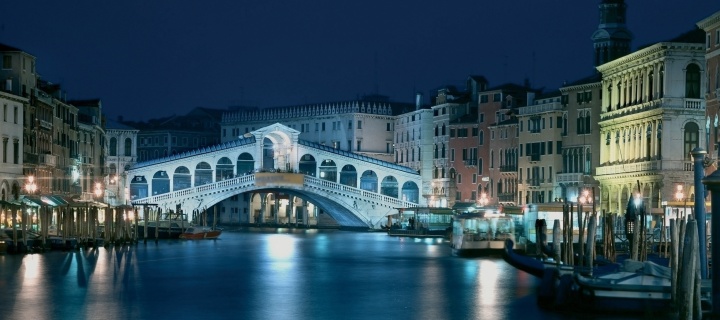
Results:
98 190
483 199
585 197
679 196
30 186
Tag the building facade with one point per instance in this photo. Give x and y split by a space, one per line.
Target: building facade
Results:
121 156
711 26
541 132
11 133
653 116
580 139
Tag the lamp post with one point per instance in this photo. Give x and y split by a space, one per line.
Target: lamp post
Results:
679 196
98 190
483 199
30 186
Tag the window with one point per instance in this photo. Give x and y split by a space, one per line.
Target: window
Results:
323 126
5 149
690 139
692 82
16 151
7 61
481 137
113 147
497 97
359 124
358 145
128 147
474 178
483 99
387 127
474 132
5 113
482 118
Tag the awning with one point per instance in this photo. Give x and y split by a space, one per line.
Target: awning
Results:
512 210
463 206
33 201
9 204
55 200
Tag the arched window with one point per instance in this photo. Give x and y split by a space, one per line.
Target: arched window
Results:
691 134
113 147
661 84
692 82
128 147
651 89
648 142
588 162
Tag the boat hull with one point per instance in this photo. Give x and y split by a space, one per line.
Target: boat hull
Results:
212 234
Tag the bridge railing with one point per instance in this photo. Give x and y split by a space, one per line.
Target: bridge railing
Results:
243 181
369 195
310 181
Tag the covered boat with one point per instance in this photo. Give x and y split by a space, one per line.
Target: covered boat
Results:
480 233
634 287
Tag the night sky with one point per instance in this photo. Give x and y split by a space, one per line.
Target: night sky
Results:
155 58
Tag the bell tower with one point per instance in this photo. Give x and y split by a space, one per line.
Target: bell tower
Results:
612 38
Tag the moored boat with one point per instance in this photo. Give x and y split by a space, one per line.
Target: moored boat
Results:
479 233
200 232
637 287
166 229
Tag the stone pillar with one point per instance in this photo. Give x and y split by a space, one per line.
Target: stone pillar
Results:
305 213
276 209
263 205
259 149
290 209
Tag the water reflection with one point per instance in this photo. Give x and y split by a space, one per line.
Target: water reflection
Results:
287 274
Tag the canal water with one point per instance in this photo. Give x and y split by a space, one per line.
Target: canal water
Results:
268 274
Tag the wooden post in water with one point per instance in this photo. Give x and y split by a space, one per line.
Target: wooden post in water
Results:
590 244
214 224
157 223
557 249
566 223
674 259
23 221
13 213
571 237
581 234
686 288
106 228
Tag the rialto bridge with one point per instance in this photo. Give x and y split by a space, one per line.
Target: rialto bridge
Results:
355 190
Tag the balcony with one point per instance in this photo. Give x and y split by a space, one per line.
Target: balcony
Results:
634 167
470 162
47 160
570 178
45 124
30 158
507 197
539 108
508 168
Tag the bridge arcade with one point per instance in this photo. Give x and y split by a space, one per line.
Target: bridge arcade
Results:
271 164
